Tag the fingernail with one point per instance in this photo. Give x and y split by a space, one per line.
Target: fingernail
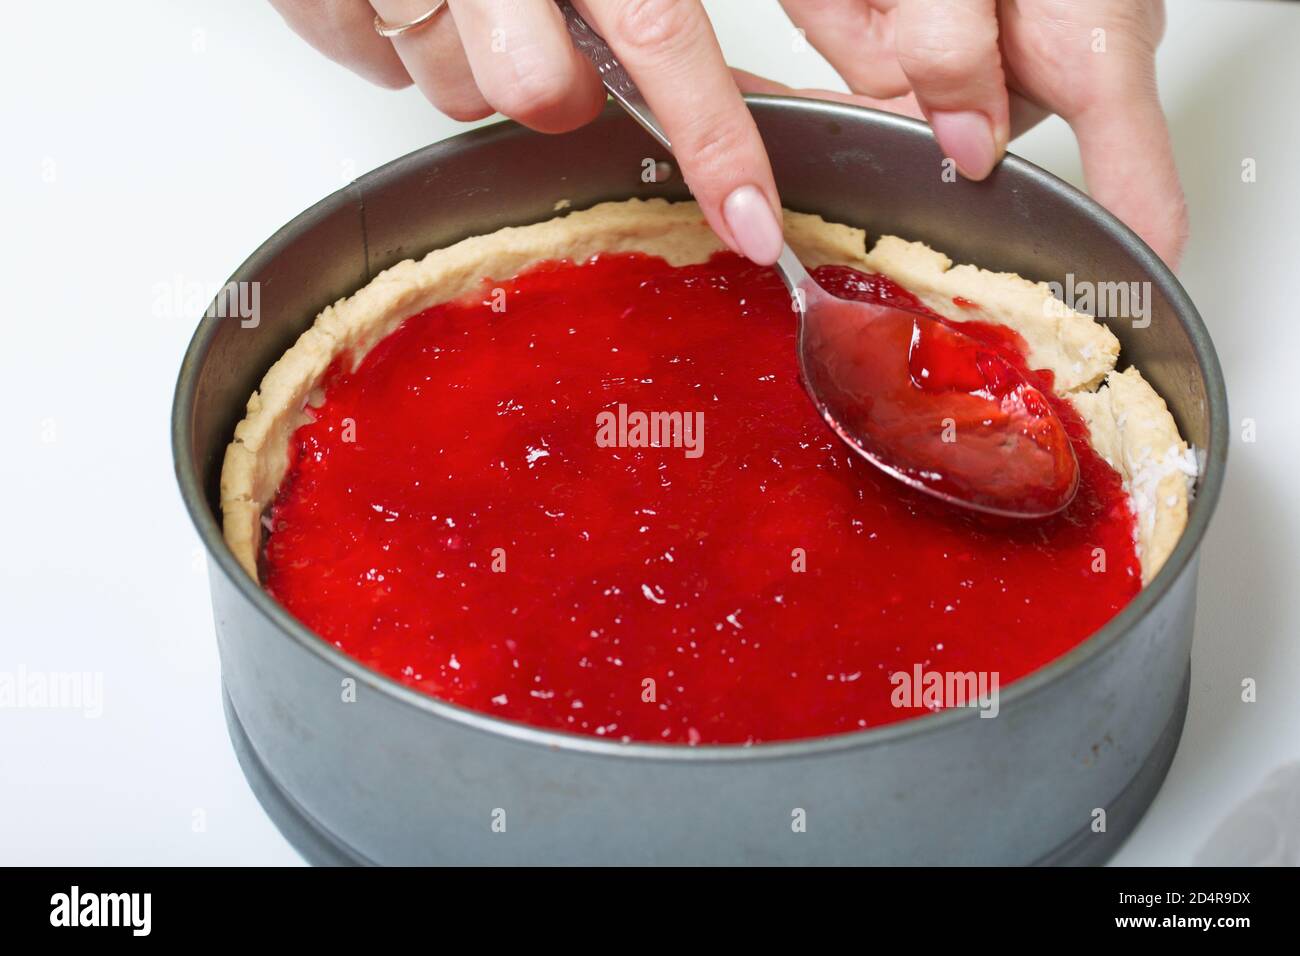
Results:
967 138
753 225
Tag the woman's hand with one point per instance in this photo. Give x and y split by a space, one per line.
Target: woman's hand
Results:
982 71
515 57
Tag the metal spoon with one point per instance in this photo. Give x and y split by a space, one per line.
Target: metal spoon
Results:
917 398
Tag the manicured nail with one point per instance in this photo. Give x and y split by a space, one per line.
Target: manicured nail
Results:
753 224
966 137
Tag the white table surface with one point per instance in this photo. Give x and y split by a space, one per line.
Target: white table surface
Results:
154 145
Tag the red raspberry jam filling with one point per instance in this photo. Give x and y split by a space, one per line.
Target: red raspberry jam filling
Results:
477 511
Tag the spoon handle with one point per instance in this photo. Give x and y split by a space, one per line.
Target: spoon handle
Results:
803 287
593 46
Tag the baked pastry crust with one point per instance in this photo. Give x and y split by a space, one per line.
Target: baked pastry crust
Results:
1131 426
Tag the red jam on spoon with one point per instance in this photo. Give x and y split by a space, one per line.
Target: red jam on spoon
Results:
933 406
450 519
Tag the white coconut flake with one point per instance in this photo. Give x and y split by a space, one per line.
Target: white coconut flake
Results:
1146 474
1188 463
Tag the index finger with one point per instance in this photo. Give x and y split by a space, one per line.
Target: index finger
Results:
669 50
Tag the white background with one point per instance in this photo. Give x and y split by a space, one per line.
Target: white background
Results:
151 146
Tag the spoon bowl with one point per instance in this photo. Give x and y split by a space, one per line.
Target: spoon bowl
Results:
929 405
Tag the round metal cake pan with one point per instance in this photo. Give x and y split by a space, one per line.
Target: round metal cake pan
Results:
1064 772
